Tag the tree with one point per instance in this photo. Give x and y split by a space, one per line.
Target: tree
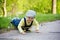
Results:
54 6
4 9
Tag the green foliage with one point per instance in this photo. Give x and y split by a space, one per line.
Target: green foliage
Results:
10 4
47 17
4 22
1 5
58 6
40 6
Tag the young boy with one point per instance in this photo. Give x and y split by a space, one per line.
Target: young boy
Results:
26 23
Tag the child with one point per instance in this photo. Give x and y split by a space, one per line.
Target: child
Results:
26 23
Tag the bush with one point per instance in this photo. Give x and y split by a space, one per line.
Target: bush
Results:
4 22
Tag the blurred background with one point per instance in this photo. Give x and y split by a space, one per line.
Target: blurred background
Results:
13 7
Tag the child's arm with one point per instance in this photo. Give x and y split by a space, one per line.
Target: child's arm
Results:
20 25
36 25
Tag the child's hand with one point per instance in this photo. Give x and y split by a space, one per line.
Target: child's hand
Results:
37 31
23 33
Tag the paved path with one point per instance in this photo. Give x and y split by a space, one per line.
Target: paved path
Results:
48 31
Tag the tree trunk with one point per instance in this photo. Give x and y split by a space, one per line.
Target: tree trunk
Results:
13 9
4 9
54 6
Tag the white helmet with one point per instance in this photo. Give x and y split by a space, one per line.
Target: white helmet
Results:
30 13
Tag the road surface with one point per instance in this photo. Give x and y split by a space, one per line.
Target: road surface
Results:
48 31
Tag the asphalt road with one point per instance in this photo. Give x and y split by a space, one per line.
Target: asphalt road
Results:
48 31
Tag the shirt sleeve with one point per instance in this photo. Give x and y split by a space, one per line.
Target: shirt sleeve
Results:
20 25
36 24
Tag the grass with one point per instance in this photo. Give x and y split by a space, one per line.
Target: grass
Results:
47 17
4 21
